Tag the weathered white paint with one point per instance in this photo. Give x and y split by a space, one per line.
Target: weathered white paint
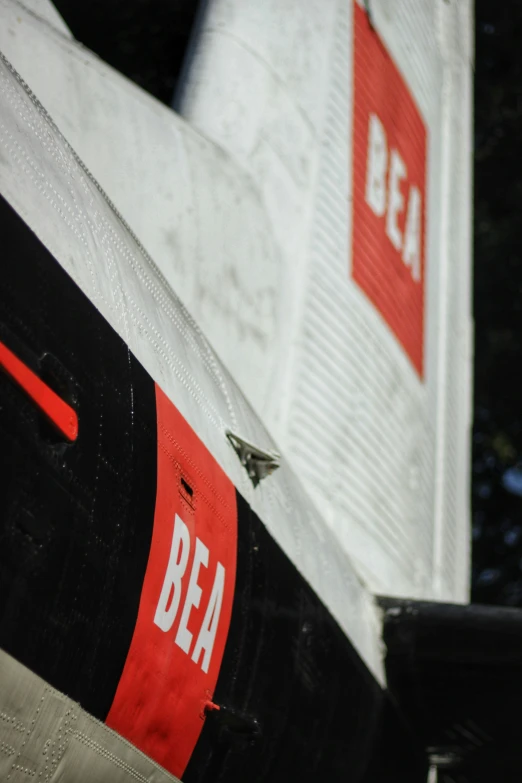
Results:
45 183
246 214
194 209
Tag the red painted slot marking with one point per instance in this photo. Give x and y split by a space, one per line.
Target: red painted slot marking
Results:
57 410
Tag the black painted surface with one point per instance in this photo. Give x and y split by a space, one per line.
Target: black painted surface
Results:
75 520
143 39
297 703
457 672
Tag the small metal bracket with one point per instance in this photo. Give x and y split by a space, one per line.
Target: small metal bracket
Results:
258 463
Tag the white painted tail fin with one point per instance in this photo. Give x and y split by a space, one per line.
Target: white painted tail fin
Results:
356 132
312 209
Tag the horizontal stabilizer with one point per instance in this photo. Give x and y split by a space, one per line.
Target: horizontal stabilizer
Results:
455 672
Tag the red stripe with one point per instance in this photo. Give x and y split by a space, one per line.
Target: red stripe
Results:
166 689
56 409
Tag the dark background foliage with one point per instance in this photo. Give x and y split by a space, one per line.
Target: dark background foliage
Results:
147 39
497 438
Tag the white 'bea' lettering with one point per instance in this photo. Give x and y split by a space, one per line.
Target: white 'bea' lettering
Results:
166 612
412 237
377 166
390 201
183 636
208 630
395 199
179 552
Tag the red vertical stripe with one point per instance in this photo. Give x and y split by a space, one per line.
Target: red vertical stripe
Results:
165 690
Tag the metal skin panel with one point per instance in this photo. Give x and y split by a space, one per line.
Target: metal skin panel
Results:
46 184
247 211
299 608
134 578
196 212
46 736
382 451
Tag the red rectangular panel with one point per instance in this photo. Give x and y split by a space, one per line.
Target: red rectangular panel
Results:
389 191
186 601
